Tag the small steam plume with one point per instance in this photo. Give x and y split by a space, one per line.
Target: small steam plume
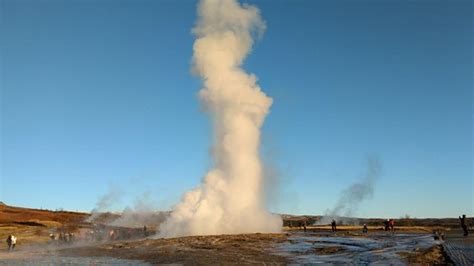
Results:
231 197
113 195
351 197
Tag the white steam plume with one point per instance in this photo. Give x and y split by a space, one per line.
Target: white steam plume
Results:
230 199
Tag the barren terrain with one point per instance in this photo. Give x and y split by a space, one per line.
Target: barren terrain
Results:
408 244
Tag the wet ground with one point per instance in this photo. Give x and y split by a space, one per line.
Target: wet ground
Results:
383 248
460 248
293 247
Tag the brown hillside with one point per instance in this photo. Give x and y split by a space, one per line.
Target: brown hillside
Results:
17 215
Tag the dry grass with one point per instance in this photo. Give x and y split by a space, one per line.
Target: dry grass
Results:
432 256
10 214
33 226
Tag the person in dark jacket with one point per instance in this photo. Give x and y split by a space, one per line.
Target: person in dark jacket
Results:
386 224
462 220
365 230
333 225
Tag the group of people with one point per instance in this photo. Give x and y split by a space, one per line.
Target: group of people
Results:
63 237
111 233
365 229
389 225
11 242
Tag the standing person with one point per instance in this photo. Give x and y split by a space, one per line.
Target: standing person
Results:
333 225
386 224
391 223
11 242
304 225
112 234
463 224
365 230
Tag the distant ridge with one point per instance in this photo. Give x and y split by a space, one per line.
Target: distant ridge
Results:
2 204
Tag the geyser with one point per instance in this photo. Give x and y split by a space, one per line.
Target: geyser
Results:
230 199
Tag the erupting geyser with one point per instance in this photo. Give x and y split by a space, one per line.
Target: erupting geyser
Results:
230 200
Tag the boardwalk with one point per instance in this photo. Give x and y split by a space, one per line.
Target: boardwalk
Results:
460 249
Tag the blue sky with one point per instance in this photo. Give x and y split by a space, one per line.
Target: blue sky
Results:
97 94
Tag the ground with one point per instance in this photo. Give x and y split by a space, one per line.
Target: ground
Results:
460 248
409 244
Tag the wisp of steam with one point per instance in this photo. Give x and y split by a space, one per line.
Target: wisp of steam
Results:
230 198
351 197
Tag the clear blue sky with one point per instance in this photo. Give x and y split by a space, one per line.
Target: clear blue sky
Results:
95 93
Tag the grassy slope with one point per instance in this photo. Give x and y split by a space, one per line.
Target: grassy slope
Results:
32 225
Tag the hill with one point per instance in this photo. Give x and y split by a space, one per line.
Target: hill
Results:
35 225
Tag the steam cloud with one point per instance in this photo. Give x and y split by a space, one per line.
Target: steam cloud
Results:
230 199
113 195
351 197
142 213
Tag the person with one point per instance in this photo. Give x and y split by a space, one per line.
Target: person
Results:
463 224
112 234
304 225
365 230
333 225
391 223
386 225
438 235
144 231
11 242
